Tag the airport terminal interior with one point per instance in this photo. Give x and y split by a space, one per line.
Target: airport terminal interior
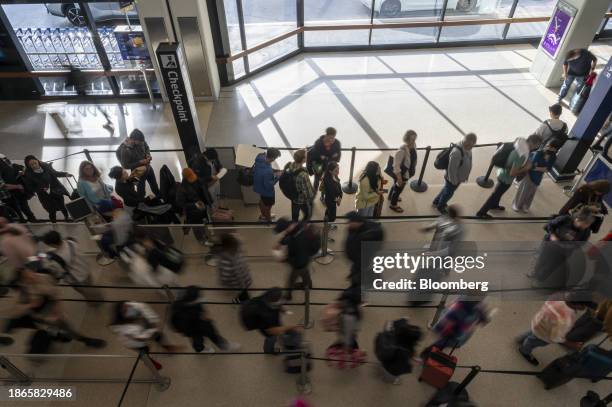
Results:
244 78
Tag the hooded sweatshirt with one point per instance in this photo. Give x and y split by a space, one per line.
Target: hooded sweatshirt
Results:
263 177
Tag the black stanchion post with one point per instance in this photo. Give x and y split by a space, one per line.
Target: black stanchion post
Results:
350 187
325 256
307 322
303 382
87 155
161 382
419 185
485 181
439 310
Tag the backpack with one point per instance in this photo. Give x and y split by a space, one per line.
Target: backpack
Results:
557 137
500 157
313 235
287 183
171 258
443 158
245 176
249 314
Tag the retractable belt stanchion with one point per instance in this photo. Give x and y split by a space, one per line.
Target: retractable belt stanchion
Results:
161 382
325 256
485 181
308 323
419 185
350 187
16 374
439 310
303 381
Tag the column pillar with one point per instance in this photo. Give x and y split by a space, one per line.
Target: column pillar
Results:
564 33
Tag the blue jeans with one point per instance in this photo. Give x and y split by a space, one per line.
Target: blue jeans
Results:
445 194
567 83
530 342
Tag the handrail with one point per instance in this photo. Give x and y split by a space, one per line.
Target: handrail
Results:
413 24
86 72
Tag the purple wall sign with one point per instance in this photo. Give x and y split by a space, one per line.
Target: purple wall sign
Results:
558 26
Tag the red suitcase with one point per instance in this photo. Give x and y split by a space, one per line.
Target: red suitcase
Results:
438 368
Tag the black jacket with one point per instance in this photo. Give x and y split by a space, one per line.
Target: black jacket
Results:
37 183
200 164
129 156
187 317
563 227
187 194
129 193
368 232
332 190
321 156
301 244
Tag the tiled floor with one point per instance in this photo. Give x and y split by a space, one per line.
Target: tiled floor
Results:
372 98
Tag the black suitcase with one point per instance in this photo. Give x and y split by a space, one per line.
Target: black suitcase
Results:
585 328
560 371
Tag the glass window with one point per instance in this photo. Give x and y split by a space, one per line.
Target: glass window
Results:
531 8
337 12
265 20
54 37
233 26
124 42
474 10
396 11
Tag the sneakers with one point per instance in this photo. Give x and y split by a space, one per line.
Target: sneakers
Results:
208 350
484 216
231 347
499 208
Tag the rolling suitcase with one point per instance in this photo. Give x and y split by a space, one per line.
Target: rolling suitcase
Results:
438 368
560 371
595 363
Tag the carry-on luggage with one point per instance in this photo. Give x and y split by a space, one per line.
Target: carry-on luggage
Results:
595 363
560 371
585 328
438 368
592 399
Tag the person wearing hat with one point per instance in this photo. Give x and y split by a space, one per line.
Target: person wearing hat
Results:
125 187
192 198
134 154
517 164
42 179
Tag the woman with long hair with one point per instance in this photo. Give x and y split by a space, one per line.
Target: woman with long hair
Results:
403 167
41 179
91 187
370 190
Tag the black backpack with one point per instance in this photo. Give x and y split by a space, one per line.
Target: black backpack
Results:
245 176
557 137
500 157
250 312
287 183
443 158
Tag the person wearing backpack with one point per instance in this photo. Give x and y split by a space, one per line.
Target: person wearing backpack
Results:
515 164
295 184
553 131
190 318
302 243
264 314
264 179
458 166
67 264
541 161
404 167
395 347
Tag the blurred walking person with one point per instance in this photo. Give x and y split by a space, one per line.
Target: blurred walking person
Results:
232 267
